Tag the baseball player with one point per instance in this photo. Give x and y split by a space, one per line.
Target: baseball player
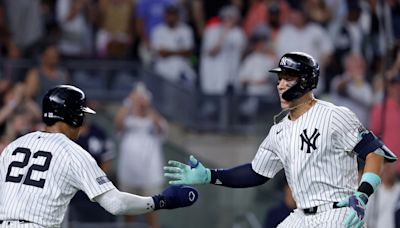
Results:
41 171
317 144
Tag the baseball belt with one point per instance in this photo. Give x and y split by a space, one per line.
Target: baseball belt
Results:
314 210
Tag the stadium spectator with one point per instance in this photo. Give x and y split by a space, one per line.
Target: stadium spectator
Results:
385 120
278 14
377 21
140 151
172 41
8 48
46 75
352 90
381 207
115 34
26 25
205 12
348 37
318 12
309 37
150 13
222 49
19 114
94 140
11 96
255 16
74 20
254 78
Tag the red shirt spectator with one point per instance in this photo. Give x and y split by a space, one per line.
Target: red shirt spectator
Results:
387 128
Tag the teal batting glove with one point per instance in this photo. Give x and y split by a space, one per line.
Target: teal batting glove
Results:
182 174
357 202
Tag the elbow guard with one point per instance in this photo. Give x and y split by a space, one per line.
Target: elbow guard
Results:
369 143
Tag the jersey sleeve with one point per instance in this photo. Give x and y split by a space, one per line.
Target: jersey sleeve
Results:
347 129
86 175
267 162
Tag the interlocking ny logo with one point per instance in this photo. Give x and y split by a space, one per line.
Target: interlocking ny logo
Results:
309 141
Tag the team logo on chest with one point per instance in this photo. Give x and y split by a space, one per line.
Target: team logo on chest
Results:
309 141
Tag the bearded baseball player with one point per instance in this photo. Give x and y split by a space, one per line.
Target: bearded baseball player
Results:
317 144
41 171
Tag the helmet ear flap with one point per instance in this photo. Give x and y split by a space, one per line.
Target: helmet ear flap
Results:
302 83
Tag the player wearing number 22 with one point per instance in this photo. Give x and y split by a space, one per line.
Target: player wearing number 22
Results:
317 144
41 171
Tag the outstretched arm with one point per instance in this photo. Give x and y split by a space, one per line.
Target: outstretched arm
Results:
238 177
119 203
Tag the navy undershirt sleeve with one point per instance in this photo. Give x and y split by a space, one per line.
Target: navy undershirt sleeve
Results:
238 177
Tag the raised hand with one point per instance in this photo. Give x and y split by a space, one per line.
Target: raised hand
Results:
180 173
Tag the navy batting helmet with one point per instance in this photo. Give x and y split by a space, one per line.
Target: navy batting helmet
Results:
65 103
302 65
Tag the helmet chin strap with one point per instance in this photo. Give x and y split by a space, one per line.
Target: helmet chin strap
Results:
290 109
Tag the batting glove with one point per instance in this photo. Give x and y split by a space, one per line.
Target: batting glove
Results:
175 197
357 202
195 173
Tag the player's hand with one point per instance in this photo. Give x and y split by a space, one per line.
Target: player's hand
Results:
181 173
357 202
175 197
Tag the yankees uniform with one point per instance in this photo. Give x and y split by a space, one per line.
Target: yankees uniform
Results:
40 173
316 153
318 149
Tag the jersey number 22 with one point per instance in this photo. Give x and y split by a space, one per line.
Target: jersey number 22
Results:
34 167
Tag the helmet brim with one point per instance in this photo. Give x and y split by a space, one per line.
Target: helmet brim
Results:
88 110
276 70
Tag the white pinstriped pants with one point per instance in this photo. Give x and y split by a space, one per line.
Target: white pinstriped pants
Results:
332 218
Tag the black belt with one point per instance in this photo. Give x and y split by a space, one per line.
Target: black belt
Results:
313 210
9 222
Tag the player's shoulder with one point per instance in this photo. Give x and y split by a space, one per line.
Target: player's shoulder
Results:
339 110
340 114
23 139
332 107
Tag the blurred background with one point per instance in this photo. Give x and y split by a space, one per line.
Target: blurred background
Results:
170 78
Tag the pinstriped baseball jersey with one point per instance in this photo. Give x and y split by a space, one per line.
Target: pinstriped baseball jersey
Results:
40 173
316 152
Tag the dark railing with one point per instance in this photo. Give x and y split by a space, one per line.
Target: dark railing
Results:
112 80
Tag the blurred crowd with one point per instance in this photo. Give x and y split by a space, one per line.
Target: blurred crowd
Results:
219 47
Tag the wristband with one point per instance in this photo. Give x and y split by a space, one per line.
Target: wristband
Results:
369 183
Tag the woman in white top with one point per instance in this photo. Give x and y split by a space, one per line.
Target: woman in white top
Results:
142 131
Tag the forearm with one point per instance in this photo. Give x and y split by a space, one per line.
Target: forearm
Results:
374 163
238 177
122 203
